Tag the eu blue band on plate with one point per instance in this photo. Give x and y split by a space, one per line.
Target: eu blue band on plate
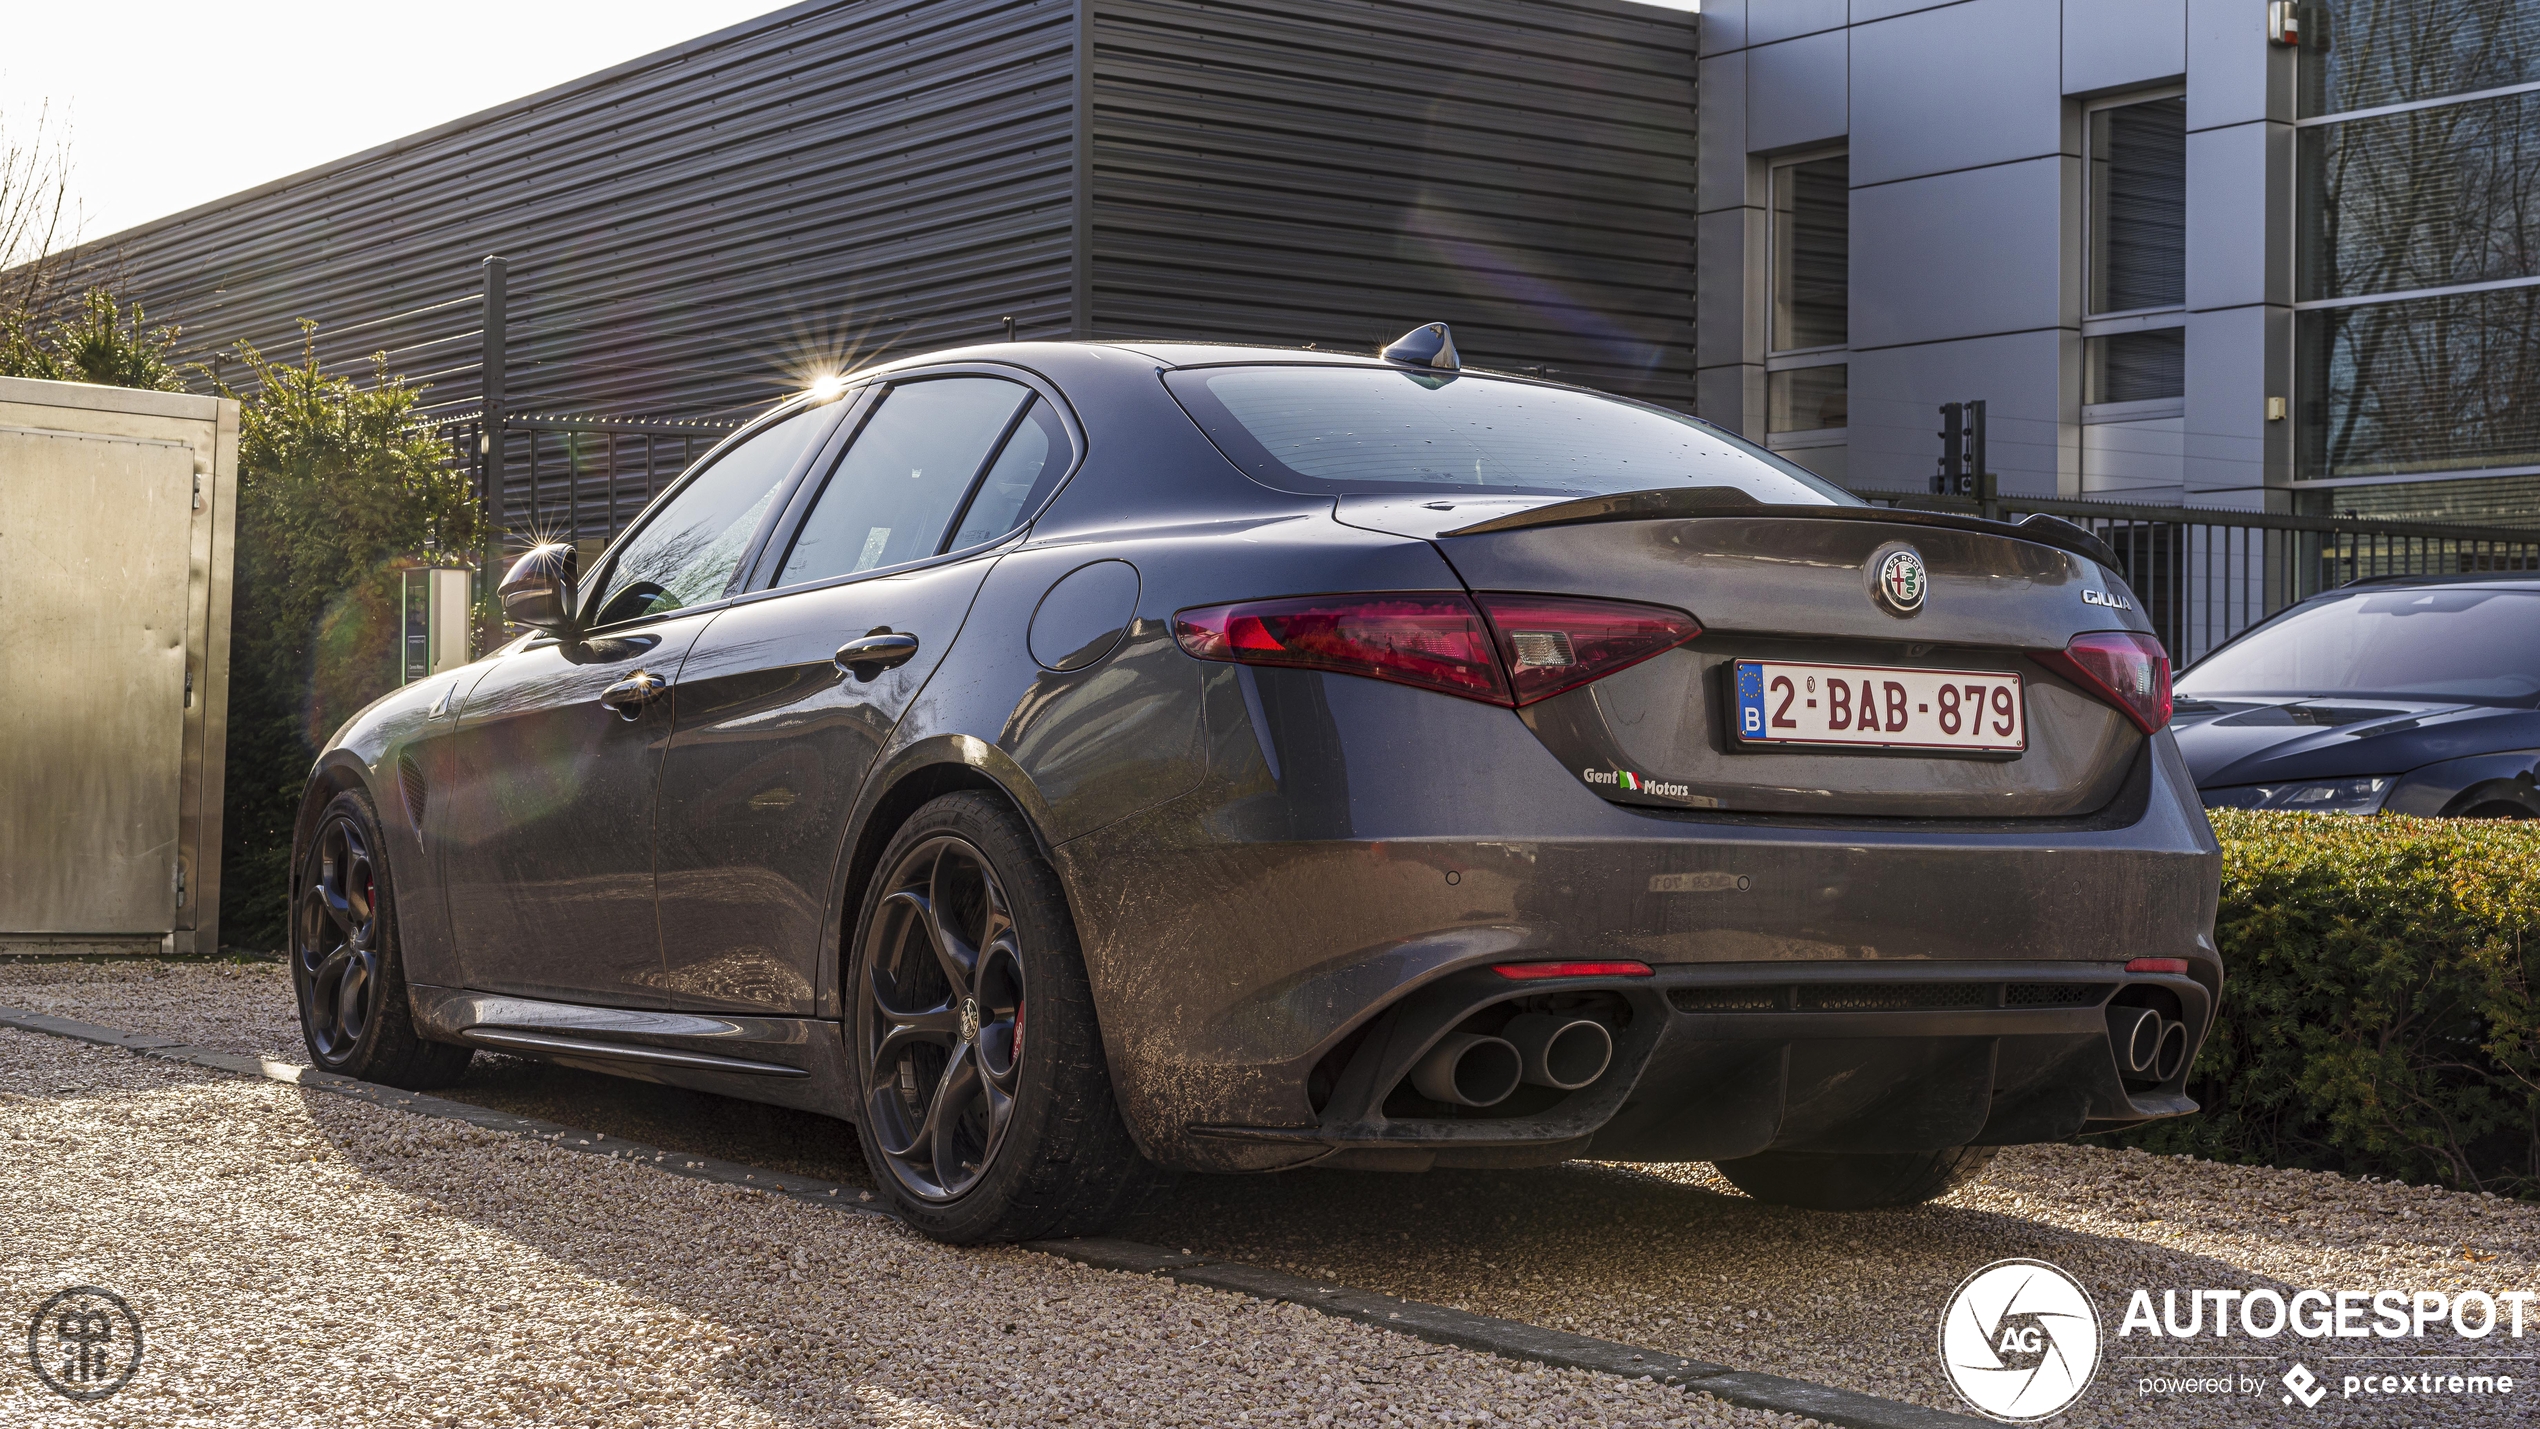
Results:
1750 699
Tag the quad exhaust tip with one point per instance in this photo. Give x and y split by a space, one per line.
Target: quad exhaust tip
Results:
1562 1053
1469 1070
2147 1044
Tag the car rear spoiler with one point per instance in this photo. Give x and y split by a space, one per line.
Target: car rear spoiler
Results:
1680 502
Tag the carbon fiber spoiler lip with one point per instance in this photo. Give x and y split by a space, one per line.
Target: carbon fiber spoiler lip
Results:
1681 502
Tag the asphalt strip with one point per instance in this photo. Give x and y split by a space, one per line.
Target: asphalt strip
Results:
1509 1339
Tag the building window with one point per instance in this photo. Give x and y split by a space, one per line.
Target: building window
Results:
1812 254
2145 366
2134 336
1806 399
1806 379
2418 266
2364 54
2138 205
2433 384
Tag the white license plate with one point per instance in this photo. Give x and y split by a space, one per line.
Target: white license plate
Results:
1879 706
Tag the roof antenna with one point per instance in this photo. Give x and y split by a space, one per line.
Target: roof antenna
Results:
1429 345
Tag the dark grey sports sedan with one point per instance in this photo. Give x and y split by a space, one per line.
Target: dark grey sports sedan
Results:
1074 763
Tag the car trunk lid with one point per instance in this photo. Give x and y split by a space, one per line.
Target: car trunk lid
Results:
1796 584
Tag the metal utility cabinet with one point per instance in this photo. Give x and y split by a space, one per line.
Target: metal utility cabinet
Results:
117 514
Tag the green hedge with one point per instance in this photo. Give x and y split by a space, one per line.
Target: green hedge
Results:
2378 1014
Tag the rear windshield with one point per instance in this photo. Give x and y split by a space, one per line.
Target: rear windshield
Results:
2455 643
1378 430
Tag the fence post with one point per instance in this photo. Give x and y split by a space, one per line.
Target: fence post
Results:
492 366
1988 494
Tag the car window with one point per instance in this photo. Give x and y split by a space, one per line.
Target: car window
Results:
1031 462
2442 642
1378 430
686 553
893 495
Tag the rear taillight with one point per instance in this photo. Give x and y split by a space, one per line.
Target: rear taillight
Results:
1531 647
1552 643
2127 670
1430 639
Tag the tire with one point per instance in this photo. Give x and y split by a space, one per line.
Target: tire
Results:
346 968
963 949
1856 1180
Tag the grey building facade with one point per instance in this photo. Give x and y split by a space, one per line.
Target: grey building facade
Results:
2214 252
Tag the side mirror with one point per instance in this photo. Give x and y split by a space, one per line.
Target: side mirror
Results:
539 589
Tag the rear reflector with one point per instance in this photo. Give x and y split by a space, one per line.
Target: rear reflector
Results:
2127 670
2157 965
1553 643
1524 971
1432 639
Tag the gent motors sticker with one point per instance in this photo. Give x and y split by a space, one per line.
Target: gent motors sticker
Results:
2020 1340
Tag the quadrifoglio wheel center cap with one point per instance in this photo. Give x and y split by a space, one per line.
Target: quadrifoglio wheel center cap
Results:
970 1019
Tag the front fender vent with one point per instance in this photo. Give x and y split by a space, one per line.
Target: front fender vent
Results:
411 789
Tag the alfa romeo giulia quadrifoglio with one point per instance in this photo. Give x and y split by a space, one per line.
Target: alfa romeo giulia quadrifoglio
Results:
1077 763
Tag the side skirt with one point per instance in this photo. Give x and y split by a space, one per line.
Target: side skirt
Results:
784 1061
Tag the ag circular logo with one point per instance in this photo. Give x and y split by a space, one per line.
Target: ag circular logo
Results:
2020 1340
84 1343
1902 582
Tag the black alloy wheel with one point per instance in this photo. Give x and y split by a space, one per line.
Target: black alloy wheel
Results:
946 991
337 937
984 1102
345 964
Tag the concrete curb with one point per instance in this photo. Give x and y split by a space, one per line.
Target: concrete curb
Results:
1439 1324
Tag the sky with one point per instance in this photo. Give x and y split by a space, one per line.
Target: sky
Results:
169 105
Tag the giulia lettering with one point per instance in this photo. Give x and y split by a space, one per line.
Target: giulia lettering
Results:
2112 602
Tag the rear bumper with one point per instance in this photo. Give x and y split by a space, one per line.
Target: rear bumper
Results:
1719 1062
1250 940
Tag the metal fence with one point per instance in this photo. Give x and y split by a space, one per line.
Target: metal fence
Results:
581 479
2204 575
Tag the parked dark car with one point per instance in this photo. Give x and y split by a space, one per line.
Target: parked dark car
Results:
2411 694
1078 762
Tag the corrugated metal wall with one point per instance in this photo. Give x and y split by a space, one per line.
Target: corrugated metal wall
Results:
689 234
1338 171
693 233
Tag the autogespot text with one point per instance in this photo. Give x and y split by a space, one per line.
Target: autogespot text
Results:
2462 1318
2326 1314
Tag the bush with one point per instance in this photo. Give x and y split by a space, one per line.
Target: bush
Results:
336 486
2377 1013
96 346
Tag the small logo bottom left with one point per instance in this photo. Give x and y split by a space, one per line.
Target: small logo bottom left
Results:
84 1343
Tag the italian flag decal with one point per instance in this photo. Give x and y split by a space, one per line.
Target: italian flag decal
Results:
1628 779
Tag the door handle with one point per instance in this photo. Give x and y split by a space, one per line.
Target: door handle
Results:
869 655
629 696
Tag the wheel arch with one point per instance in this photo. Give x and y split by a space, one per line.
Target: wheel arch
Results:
909 779
337 771
2496 798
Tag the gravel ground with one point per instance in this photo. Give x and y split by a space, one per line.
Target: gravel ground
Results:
1669 1257
298 1258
